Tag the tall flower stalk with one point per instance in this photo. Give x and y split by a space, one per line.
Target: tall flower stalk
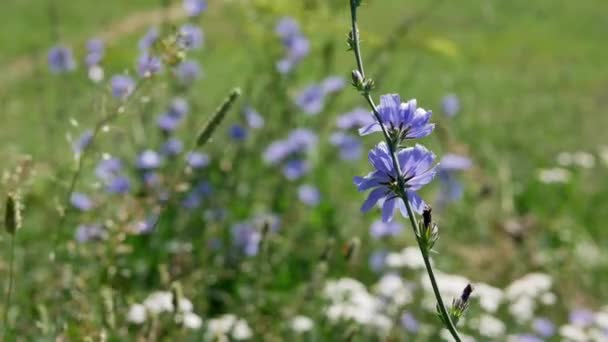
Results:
390 181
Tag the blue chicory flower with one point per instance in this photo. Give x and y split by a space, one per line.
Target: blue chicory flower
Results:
309 195
95 52
122 86
581 317
543 327
253 118
247 238
179 108
295 168
167 123
380 229
108 168
148 64
402 120
149 39
350 146
149 160
197 160
417 170
311 100
451 105
333 84
237 132
83 141
81 201
355 119
191 37
409 322
291 151
187 72
451 189
377 260
296 44
287 27
194 8
61 60
119 185
172 147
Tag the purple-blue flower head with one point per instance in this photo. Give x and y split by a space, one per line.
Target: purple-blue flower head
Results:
417 170
455 162
287 27
246 238
95 52
60 59
107 169
333 84
309 195
187 72
355 119
122 86
299 141
237 132
147 225
377 260
83 141
409 322
451 188
581 317
450 105
172 147
191 37
179 108
253 118
81 201
402 120
148 64
295 43
149 39
543 327
381 229
197 160
528 338
295 168
350 146
311 100
149 160
194 8
167 123
118 185
92 232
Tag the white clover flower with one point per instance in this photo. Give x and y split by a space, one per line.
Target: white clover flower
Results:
301 324
159 301
192 321
554 175
137 314
573 333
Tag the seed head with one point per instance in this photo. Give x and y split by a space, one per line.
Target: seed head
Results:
12 214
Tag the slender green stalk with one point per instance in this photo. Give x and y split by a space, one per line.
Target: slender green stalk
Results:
357 51
9 292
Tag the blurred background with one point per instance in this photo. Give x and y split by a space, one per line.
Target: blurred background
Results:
264 245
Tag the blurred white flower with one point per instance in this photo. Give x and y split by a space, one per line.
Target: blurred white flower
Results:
450 285
573 333
522 309
446 336
548 298
160 301
393 289
301 324
491 326
564 158
554 175
490 297
530 285
96 73
137 314
584 159
601 319
192 321
228 324
603 152
409 257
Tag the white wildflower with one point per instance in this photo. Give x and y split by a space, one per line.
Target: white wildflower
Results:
548 298
573 333
531 285
554 175
491 326
584 159
159 301
522 309
490 297
564 158
409 257
137 314
392 288
301 324
192 321
228 324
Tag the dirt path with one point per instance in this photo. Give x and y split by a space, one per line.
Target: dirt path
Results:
24 66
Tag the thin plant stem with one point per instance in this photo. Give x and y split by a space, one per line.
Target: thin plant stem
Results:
402 188
9 292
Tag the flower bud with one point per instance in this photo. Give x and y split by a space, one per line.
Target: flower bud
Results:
357 79
429 232
12 214
461 304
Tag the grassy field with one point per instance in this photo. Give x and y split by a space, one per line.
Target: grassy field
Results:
531 84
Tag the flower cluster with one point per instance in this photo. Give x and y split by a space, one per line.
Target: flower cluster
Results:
291 153
296 44
311 100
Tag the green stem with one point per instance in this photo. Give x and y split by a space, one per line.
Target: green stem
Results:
402 187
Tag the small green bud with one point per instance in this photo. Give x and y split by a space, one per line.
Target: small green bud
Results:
350 41
460 304
429 232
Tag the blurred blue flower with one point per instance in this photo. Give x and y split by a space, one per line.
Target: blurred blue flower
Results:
309 195
402 120
149 160
272 220
187 72
147 225
581 317
191 37
333 84
350 146
167 123
253 118
95 52
380 229
451 188
377 260
311 100
197 160
83 141
179 108
148 65
246 238
172 147
528 338
86 233
287 27
295 168
108 168
295 43
151 178
543 327
122 86
417 170
299 141
81 201
194 7
195 196
451 105
355 119
149 39
409 322
119 185
60 59
237 132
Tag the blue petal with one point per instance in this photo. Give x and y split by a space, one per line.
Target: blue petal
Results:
416 201
369 129
371 180
373 198
387 210
389 108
